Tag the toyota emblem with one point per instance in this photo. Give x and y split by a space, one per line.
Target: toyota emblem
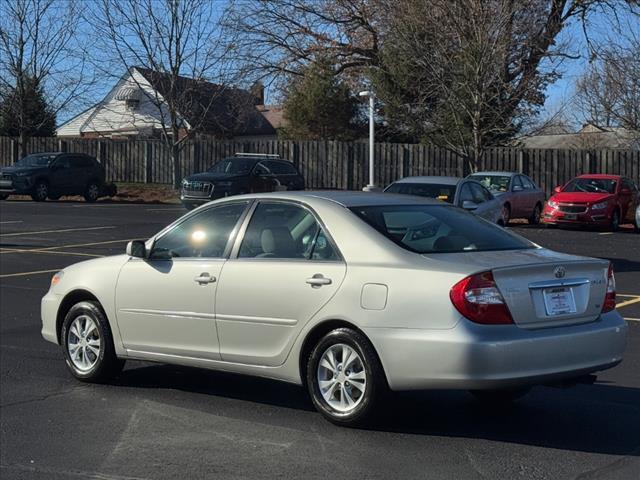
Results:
559 272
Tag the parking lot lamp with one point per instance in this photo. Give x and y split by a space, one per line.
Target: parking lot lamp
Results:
372 184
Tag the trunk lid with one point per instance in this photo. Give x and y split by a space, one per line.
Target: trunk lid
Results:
542 288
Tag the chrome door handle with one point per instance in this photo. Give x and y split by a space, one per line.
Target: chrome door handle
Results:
204 278
318 280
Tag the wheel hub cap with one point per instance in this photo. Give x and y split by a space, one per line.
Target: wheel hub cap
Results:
83 343
341 377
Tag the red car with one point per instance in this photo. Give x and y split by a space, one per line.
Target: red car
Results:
600 200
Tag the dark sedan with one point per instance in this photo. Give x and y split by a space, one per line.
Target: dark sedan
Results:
244 173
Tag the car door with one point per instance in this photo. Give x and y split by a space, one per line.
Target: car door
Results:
518 197
80 171
283 270
166 303
489 207
628 200
61 175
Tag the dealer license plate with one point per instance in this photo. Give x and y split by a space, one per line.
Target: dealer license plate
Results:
559 301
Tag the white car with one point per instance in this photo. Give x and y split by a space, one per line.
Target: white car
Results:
348 293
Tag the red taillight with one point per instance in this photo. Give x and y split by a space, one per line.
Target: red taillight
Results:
477 298
610 297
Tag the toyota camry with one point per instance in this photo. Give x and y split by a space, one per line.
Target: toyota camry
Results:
350 294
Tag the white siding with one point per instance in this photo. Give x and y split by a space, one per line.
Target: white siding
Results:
72 127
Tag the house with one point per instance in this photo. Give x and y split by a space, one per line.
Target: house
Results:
589 137
136 106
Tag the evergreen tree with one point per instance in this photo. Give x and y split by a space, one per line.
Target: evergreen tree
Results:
26 114
320 106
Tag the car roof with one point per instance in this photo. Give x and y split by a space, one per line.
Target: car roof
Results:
346 198
505 174
600 176
433 179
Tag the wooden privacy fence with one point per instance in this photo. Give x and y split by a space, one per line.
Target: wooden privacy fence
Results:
331 164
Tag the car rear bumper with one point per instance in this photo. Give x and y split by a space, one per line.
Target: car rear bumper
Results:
472 356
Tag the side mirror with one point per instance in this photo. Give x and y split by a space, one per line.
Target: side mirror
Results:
558 189
518 188
137 248
469 205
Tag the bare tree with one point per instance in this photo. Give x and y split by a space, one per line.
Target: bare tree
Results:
461 73
177 42
608 94
39 52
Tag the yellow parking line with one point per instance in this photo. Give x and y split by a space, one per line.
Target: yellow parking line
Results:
15 234
627 295
628 302
11 221
22 274
632 319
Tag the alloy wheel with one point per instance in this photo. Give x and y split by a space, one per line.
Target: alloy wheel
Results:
342 378
84 343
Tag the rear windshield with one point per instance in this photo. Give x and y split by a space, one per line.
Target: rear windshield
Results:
35 160
438 229
495 183
591 185
430 190
234 166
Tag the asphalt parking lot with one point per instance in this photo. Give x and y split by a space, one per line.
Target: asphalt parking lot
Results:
158 421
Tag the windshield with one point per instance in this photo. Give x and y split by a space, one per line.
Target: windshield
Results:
438 229
35 161
431 190
591 185
495 183
235 166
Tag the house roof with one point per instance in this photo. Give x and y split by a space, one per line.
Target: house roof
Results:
212 108
590 137
274 115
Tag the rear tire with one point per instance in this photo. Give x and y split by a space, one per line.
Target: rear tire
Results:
40 191
87 344
345 379
534 219
92 192
501 396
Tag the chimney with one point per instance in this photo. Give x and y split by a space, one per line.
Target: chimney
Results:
257 90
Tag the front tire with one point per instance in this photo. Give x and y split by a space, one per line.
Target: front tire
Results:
87 344
92 192
614 225
506 214
4 196
534 219
40 191
345 378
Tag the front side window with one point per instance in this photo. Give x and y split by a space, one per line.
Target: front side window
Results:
527 183
429 190
480 194
287 231
465 194
280 168
204 234
35 161
438 229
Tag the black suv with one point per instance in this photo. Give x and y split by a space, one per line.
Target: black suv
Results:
244 173
51 175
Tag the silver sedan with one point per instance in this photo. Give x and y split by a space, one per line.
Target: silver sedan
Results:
347 293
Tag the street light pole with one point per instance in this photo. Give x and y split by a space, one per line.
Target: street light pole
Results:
372 183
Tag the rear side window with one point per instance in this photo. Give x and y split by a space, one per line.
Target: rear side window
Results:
285 231
280 168
430 190
438 229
